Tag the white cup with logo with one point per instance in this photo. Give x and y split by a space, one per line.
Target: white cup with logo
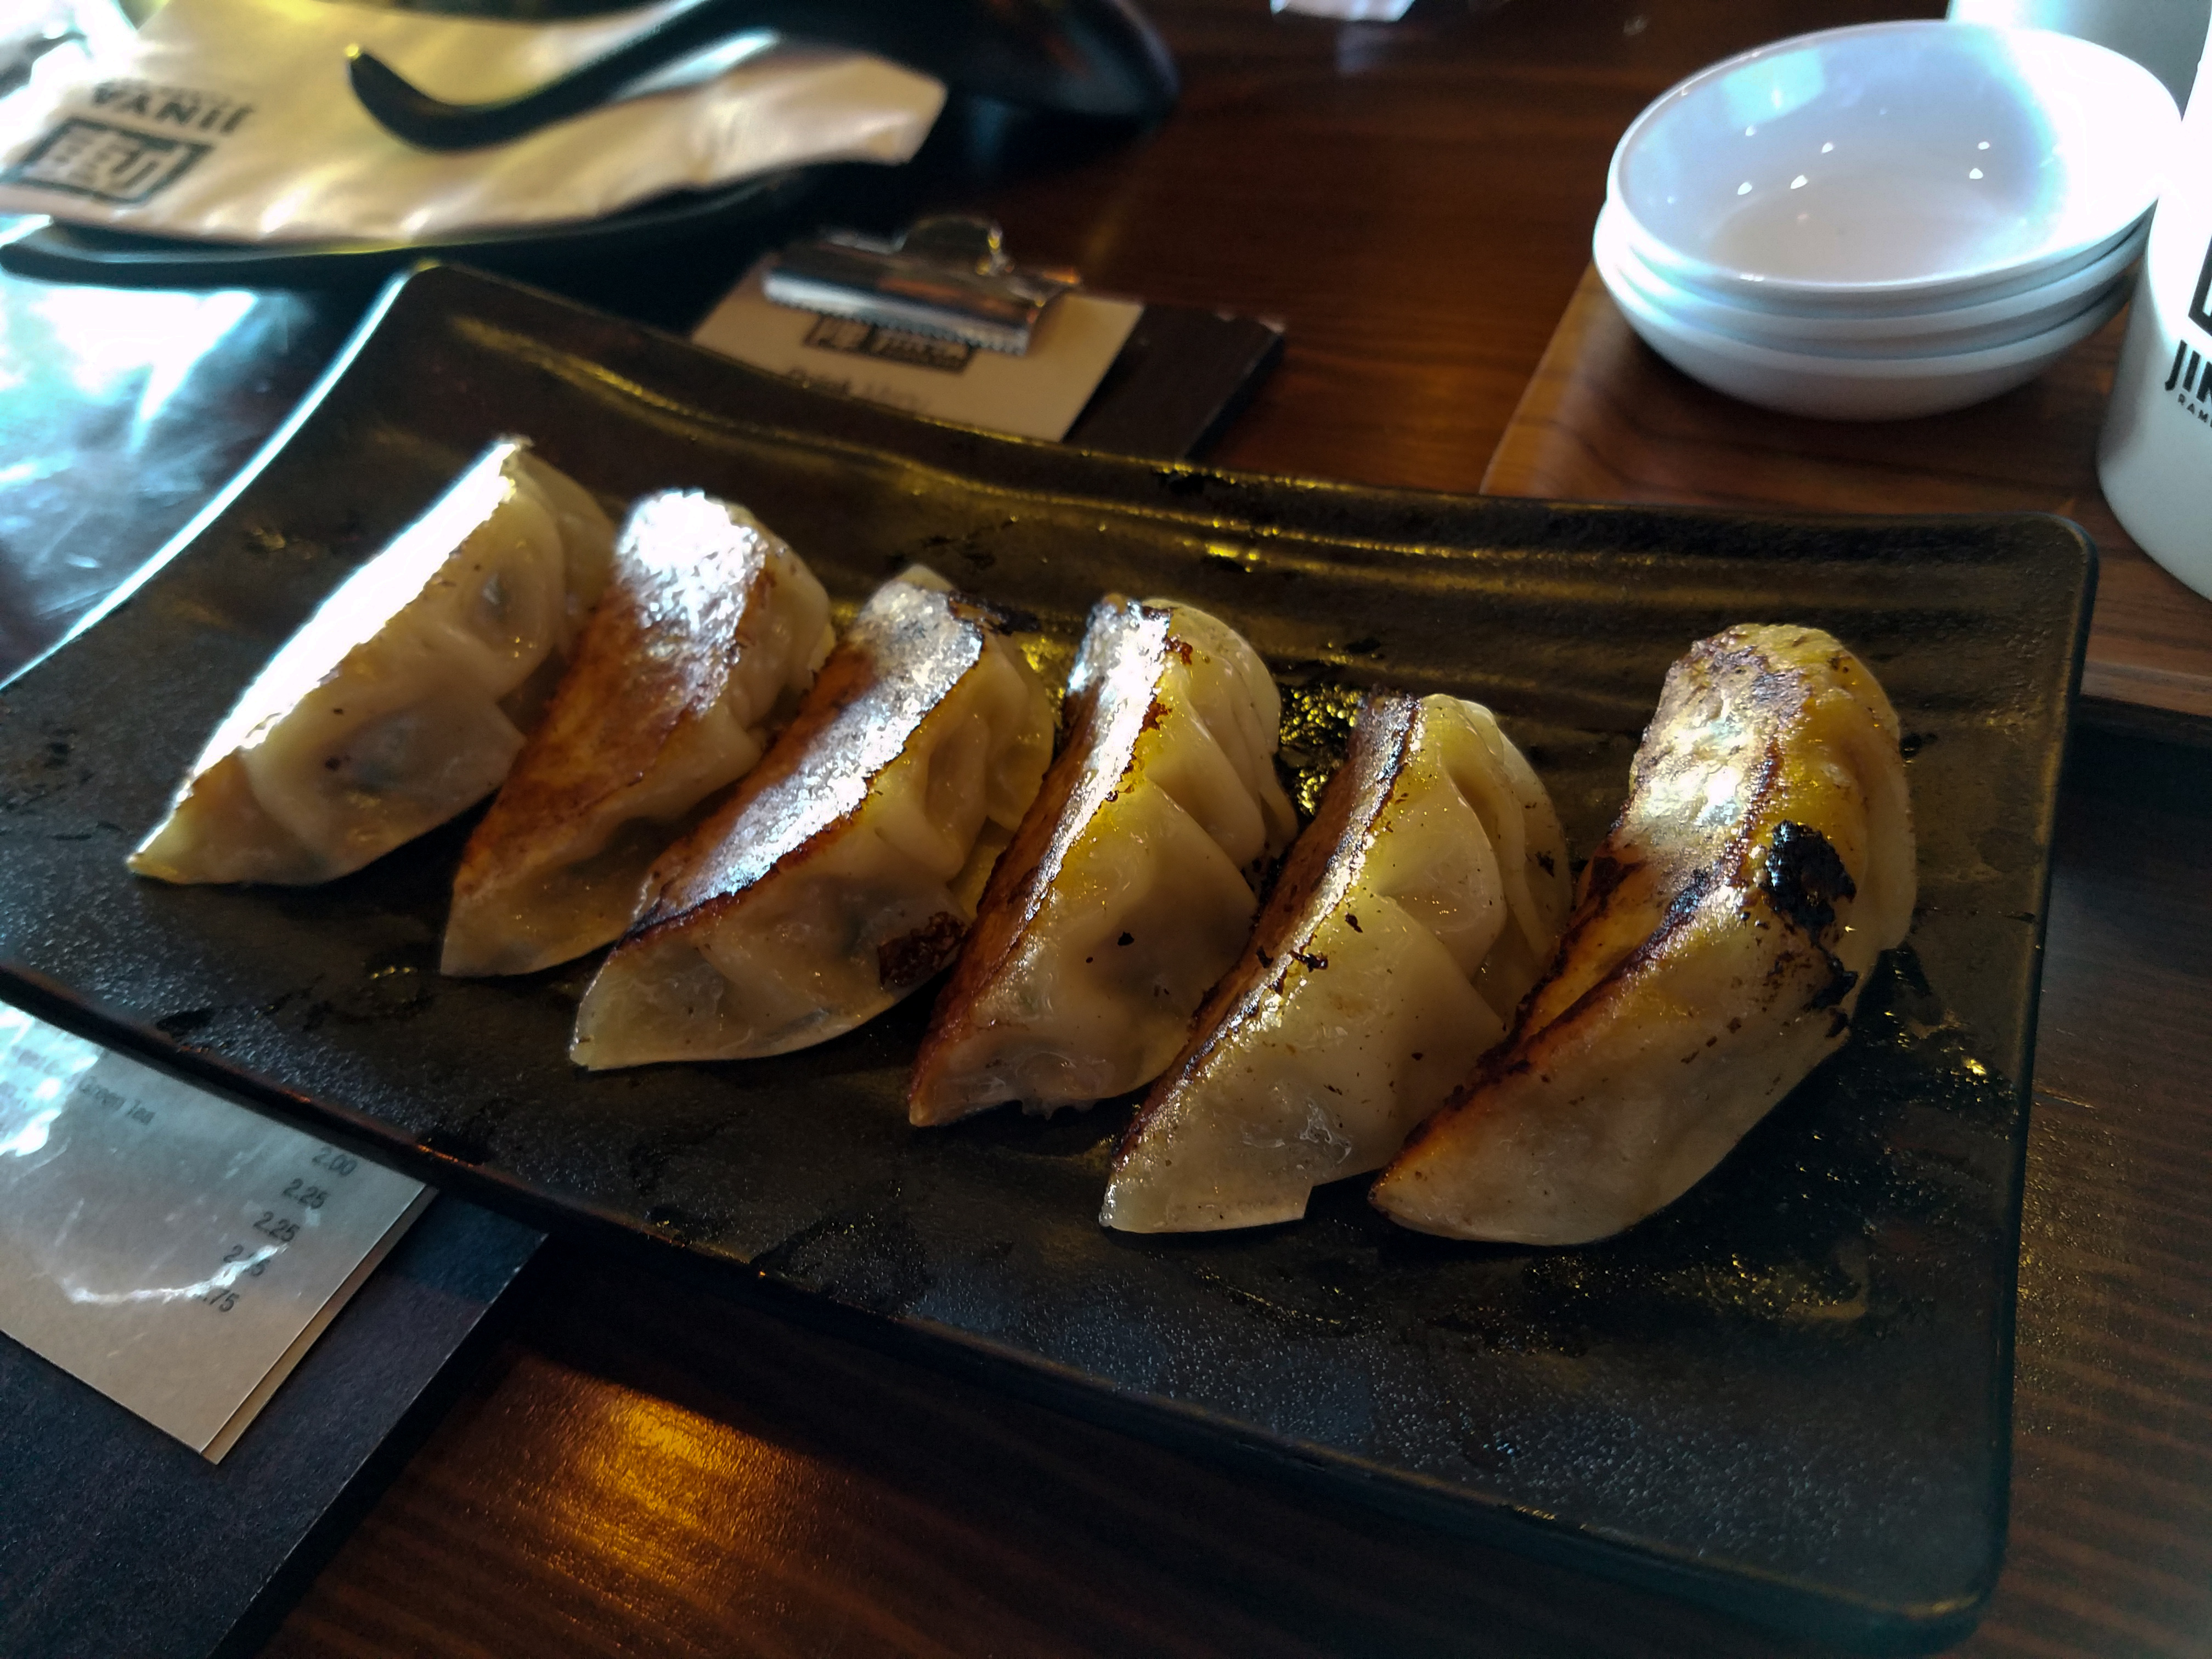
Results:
2156 451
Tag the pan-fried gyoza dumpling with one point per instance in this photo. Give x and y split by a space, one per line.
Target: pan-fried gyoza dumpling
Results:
1414 914
844 871
1128 891
710 632
403 698
1723 934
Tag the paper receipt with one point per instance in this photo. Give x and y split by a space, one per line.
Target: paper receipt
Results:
175 1250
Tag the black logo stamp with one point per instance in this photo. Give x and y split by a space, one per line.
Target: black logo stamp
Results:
2192 374
892 345
178 106
108 164
2197 301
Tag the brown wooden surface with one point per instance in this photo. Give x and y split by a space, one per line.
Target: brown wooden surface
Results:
647 1470
1604 418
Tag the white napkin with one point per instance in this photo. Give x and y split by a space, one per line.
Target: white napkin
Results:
232 120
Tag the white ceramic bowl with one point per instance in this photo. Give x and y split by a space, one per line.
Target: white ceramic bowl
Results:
1920 333
1853 388
1905 301
1916 161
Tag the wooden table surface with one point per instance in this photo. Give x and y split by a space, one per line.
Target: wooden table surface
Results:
1604 418
645 1469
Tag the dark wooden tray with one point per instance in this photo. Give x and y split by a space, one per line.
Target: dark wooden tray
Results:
1787 1396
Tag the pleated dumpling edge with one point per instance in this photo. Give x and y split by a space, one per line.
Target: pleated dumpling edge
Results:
1131 887
403 698
709 633
1413 915
844 872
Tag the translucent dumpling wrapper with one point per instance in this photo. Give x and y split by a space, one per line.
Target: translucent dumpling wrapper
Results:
710 632
844 871
1129 890
404 698
1414 914
1723 931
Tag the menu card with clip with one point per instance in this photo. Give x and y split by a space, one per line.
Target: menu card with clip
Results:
1037 394
941 323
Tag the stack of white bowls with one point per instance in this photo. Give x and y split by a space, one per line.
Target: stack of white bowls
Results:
1885 220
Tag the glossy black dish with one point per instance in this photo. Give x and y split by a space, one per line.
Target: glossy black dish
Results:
1787 1396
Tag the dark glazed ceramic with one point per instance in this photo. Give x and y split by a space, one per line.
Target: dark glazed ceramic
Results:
1787 1396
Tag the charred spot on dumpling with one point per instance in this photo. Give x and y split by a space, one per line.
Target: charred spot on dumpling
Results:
910 958
1602 874
1834 988
1687 902
1805 878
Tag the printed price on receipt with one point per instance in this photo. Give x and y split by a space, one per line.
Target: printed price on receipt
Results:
176 1251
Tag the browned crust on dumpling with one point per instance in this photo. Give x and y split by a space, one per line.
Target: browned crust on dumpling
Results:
656 653
901 657
1383 733
1024 875
1654 880
1619 881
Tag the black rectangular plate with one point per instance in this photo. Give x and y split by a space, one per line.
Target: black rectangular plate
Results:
1787 1395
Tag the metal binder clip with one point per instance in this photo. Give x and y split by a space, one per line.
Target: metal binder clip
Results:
948 275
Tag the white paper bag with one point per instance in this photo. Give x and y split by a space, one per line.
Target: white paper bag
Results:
232 120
